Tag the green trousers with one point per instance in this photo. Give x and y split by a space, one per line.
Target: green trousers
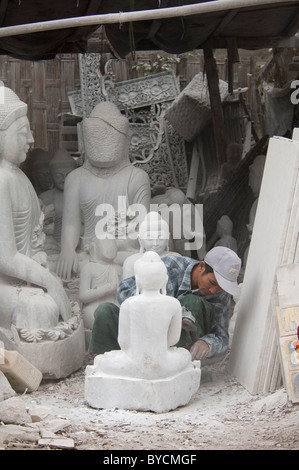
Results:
105 328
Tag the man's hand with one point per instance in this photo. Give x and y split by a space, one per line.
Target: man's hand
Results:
199 350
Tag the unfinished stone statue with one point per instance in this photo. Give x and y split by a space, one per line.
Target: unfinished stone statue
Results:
153 236
224 231
99 278
136 376
33 301
106 175
60 166
233 158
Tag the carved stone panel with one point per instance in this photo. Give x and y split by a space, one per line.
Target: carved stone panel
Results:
155 146
145 91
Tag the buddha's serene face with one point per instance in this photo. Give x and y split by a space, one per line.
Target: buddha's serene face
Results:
106 144
59 174
154 240
15 141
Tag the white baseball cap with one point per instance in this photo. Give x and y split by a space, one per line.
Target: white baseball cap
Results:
226 265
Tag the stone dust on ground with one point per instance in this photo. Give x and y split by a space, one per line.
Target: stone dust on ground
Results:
221 416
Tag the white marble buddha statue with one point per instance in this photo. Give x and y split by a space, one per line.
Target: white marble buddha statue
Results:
105 175
31 297
149 325
153 235
224 231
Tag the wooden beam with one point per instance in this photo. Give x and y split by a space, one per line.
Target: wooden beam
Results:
220 131
232 58
144 15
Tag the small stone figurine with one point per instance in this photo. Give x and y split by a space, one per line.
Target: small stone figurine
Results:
99 278
153 235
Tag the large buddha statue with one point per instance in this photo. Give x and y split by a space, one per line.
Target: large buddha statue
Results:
105 176
32 298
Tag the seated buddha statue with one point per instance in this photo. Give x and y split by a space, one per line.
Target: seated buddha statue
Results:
105 176
149 327
31 297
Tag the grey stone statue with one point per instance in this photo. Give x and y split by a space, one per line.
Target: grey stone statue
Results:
105 175
33 301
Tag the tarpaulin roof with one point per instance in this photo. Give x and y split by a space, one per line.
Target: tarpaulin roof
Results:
253 27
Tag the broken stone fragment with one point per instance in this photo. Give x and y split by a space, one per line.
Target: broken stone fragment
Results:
57 442
14 433
13 411
6 391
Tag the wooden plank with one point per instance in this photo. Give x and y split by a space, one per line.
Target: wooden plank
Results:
220 131
192 182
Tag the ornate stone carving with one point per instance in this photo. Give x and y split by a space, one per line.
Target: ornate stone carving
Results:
145 91
155 146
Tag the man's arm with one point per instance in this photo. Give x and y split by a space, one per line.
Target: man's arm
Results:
215 343
126 288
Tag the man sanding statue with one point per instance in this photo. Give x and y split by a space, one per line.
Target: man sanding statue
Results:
204 289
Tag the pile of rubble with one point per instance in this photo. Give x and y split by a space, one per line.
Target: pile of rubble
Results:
29 423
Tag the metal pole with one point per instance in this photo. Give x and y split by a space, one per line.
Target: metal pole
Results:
131 16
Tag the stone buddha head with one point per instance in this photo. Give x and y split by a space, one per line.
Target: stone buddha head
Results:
60 166
150 272
106 136
15 133
102 250
224 226
153 233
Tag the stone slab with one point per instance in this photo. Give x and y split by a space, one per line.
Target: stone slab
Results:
272 243
57 442
160 396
